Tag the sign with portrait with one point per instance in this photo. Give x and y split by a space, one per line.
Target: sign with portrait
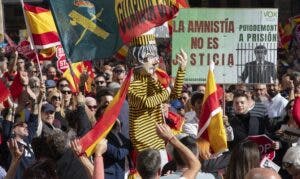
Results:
241 42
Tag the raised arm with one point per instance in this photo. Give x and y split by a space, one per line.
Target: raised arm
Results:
182 60
193 164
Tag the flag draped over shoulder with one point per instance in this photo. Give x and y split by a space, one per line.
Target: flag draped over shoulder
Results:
106 122
92 29
42 26
73 73
211 126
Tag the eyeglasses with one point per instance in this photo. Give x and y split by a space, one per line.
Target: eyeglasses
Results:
119 71
92 107
286 165
66 92
36 86
33 71
50 112
21 125
99 82
63 85
55 98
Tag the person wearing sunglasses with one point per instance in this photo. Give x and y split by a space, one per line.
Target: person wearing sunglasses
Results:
119 74
66 98
61 83
291 161
55 98
48 120
91 109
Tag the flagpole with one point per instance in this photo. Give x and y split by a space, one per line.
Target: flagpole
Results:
73 74
31 42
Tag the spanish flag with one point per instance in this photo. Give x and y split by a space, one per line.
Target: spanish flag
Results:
106 122
73 74
211 126
42 27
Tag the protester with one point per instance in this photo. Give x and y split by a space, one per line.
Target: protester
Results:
244 157
291 161
262 173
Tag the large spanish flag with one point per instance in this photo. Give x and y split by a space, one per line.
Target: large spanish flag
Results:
42 26
211 126
106 122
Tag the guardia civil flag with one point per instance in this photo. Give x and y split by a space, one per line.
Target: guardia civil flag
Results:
41 25
95 29
106 122
211 126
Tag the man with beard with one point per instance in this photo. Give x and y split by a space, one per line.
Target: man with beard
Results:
275 104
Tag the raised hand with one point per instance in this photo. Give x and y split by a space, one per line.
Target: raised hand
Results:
101 147
15 150
182 59
76 146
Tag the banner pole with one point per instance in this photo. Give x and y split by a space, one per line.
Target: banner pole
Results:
32 42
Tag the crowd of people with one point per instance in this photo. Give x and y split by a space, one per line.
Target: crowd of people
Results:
40 128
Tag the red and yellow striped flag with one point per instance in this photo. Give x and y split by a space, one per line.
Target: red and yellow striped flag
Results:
73 75
42 26
106 122
211 127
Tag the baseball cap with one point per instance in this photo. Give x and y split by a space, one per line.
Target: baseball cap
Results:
50 84
176 104
48 108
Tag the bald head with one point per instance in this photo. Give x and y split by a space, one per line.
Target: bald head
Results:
262 173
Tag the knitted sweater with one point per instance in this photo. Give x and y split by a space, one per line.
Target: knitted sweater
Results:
145 97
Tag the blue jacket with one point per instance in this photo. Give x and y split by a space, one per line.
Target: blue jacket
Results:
115 155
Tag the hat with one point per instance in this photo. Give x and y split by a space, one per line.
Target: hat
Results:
50 84
176 104
18 120
292 156
48 108
141 47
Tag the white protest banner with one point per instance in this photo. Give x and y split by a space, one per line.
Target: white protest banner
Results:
229 37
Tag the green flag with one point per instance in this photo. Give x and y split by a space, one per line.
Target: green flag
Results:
94 29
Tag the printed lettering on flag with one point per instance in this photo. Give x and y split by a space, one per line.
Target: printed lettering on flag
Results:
98 29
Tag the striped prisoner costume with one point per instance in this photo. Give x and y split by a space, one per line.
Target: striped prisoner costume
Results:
145 97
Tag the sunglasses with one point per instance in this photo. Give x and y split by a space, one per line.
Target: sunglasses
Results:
119 71
99 82
50 112
92 107
66 92
21 125
63 85
55 98
286 165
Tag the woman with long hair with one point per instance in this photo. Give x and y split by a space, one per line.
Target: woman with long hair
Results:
244 157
